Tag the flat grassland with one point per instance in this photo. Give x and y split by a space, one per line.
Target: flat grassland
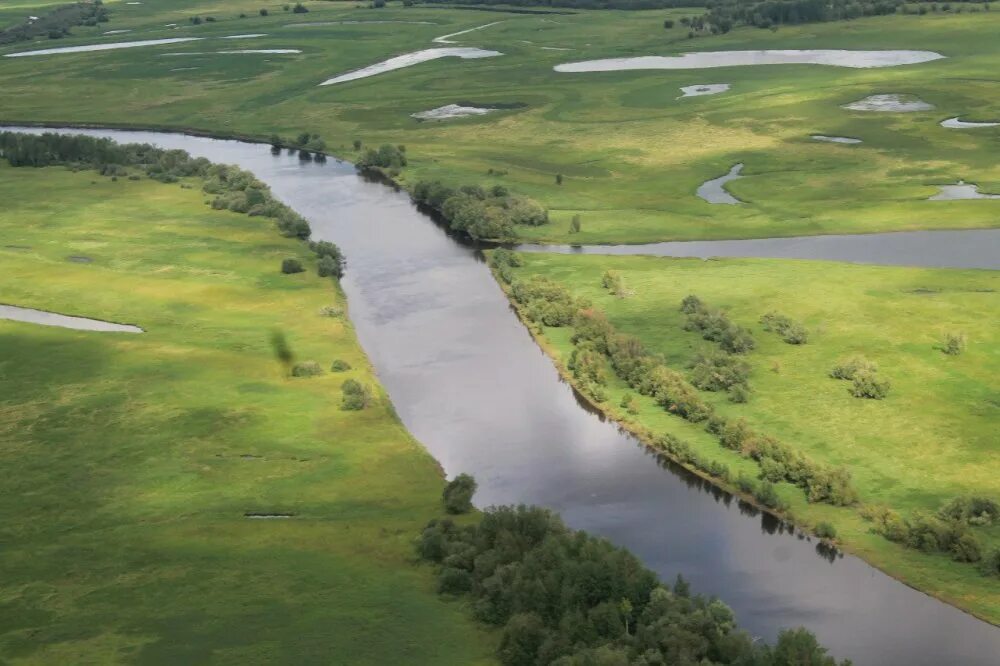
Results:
630 152
933 438
129 460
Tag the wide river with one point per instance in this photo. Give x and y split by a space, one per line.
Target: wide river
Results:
469 382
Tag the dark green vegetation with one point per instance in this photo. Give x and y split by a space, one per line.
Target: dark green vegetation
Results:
478 212
630 153
176 497
56 23
906 478
565 598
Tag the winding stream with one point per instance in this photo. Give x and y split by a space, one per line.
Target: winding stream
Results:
469 382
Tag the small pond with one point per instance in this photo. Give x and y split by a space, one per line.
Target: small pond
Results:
103 47
410 59
31 316
706 59
961 191
834 139
704 89
955 123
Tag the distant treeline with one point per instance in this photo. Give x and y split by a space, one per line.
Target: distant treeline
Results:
582 4
233 188
56 23
566 598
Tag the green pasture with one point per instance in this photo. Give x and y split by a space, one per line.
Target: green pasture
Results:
130 459
631 152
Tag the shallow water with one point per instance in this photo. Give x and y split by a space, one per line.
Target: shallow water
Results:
320 23
469 382
451 111
972 248
960 192
103 47
955 123
704 89
890 104
248 36
714 191
410 59
31 316
706 59
444 39
834 139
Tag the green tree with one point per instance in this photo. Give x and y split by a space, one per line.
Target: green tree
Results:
458 494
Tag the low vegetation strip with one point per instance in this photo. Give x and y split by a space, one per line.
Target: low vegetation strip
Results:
178 496
752 370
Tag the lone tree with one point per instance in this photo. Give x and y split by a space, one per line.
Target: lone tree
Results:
282 350
458 494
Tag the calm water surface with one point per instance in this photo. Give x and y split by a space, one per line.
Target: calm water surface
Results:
469 382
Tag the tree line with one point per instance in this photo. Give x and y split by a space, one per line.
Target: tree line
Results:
232 188
492 213
566 598
57 23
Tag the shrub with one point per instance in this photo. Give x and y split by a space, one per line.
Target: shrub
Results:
825 530
716 326
356 396
289 266
767 495
306 369
966 548
718 371
847 368
954 344
971 510
574 225
329 267
991 563
263 12
867 384
340 365
745 484
772 470
668 24
790 331
299 8
452 580
458 494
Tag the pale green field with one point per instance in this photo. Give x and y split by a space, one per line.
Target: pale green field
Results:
631 152
130 460
932 439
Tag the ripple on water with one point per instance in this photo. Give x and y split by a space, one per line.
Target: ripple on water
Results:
410 59
706 59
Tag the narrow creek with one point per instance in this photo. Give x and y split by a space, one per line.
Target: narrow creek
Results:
469 382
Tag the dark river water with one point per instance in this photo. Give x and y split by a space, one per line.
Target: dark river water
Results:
469 382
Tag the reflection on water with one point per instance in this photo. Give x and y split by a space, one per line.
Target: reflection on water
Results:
470 383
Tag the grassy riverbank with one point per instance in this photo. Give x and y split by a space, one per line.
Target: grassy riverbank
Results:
630 152
130 460
931 439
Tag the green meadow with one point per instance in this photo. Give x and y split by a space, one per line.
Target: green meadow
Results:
130 460
932 439
631 152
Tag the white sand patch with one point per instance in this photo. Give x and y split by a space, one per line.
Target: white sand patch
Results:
249 36
890 104
707 59
410 59
115 32
955 123
834 139
704 89
444 39
102 47
960 192
451 111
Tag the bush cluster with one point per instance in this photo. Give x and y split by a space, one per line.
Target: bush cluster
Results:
57 23
927 533
864 377
457 495
356 396
480 212
544 301
566 598
715 325
790 330
386 157
719 371
307 369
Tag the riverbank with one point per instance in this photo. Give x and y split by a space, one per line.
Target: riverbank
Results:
137 464
887 460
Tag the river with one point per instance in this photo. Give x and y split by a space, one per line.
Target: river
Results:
470 383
